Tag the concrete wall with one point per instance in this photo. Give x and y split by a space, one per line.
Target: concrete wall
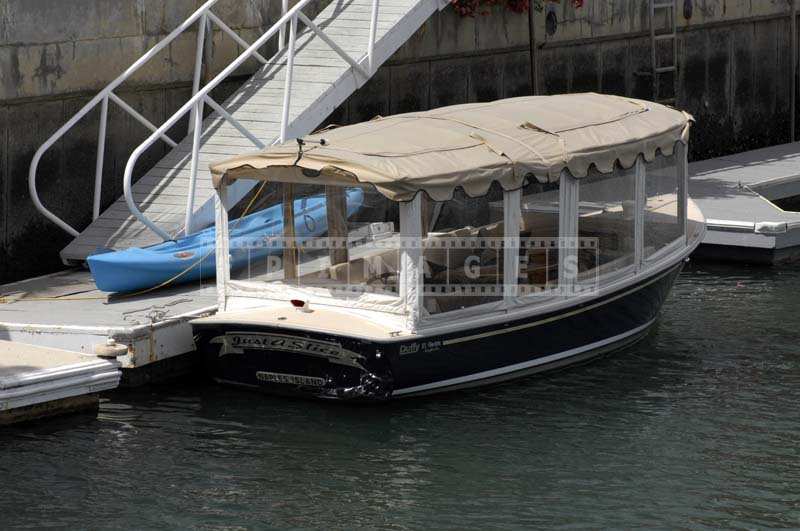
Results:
449 60
734 63
734 76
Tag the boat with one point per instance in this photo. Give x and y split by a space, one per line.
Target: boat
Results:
513 237
193 257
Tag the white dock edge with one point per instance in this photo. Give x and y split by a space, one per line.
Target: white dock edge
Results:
65 311
736 194
32 375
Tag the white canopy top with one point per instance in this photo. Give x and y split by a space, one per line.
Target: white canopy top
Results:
472 145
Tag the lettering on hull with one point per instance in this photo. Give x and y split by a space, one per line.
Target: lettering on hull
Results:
291 379
238 342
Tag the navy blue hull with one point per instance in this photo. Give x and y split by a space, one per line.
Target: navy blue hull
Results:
302 364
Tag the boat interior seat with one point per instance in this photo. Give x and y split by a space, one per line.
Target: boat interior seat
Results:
539 224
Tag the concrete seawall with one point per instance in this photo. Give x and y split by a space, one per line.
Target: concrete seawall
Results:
734 75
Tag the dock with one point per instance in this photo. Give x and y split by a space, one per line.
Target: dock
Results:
66 311
36 382
62 341
740 196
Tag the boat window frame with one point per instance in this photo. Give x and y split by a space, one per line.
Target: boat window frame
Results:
222 246
411 280
569 203
605 278
512 242
411 266
682 177
568 212
228 289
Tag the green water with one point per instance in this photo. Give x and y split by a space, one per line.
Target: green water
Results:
697 426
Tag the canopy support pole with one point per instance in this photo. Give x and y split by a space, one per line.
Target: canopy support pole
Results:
427 209
289 241
336 210
567 232
222 247
512 216
411 266
682 165
641 204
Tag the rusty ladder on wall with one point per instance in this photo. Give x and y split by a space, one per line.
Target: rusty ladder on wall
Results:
665 35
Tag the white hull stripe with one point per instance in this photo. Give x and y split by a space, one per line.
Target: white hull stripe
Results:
524 365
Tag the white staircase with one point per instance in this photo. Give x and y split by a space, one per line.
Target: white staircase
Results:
321 63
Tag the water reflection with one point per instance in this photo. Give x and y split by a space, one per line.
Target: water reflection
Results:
694 426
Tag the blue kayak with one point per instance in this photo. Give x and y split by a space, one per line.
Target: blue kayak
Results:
141 268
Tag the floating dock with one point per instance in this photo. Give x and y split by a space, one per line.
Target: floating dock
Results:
37 382
66 310
740 196
62 341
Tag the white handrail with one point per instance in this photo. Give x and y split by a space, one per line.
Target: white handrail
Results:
287 90
233 35
282 33
197 130
101 97
336 48
198 62
141 119
234 122
291 17
101 152
200 96
373 28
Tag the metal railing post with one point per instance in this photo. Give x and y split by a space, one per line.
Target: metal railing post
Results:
127 184
335 47
282 31
141 119
198 63
373 28
101 97
197 132
101 153
287 90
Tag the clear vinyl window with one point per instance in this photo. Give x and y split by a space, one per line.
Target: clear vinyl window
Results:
463 252
606 222
341 239
662 222
538 252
